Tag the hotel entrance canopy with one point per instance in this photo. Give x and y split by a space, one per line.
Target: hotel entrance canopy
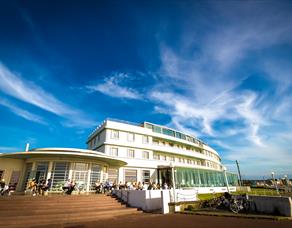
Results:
68 153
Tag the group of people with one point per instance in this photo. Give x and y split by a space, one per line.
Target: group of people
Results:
69 187
39 187
108 186
4 188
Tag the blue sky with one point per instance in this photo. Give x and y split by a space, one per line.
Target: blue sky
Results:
219 70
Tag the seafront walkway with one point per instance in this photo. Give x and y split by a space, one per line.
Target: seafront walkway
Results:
146 220
27 211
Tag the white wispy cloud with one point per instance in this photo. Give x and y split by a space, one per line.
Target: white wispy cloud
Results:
111 87
21 112
202 91
14 85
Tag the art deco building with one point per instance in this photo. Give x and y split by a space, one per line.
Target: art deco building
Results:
119 151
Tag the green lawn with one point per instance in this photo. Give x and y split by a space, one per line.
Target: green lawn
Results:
254 191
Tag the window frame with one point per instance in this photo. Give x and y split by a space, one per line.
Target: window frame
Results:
145 152
115 136
129 139
129 153
117 151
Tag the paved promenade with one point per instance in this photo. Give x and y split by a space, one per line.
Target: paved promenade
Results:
178 221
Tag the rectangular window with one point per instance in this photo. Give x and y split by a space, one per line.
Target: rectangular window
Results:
94 176
115 134
156 156
189 161
168 132
157 129
145 154
60 174
131 137
180 159
145 139
178 135
171 158
114 151
155 141
149 126
131 153
113 175
146 176
130 175
163 157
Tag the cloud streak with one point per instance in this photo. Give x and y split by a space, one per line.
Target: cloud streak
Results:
22 113
27 91
111 87
206 91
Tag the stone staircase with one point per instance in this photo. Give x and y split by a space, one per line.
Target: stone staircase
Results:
29 211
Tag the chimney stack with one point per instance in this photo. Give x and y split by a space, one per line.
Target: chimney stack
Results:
27 147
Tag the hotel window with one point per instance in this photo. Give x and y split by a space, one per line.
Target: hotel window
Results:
98 137
156 129
180 159
131 137
131 153
115 134
155 141
113 175
189 161
114 151
59 175
130 175
145 154
163 157
156 156
199 163
145 139
146 176
171 158
168 132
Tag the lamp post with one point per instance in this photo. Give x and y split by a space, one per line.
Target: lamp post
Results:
275 183
286 183
226 180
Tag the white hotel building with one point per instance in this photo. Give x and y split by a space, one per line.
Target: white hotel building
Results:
119 151
150 152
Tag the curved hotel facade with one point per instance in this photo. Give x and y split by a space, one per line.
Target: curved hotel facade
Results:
119 151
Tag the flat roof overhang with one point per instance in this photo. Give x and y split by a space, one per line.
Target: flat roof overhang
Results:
65 153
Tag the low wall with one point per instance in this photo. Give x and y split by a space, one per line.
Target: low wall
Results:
207 190
147 200
243 188
151 200
275 205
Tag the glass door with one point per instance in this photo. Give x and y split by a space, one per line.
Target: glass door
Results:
80 175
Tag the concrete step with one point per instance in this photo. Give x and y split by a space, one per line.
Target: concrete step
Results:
64 218
44 198
46 211
77 207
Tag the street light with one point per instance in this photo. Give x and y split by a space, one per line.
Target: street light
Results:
275 183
